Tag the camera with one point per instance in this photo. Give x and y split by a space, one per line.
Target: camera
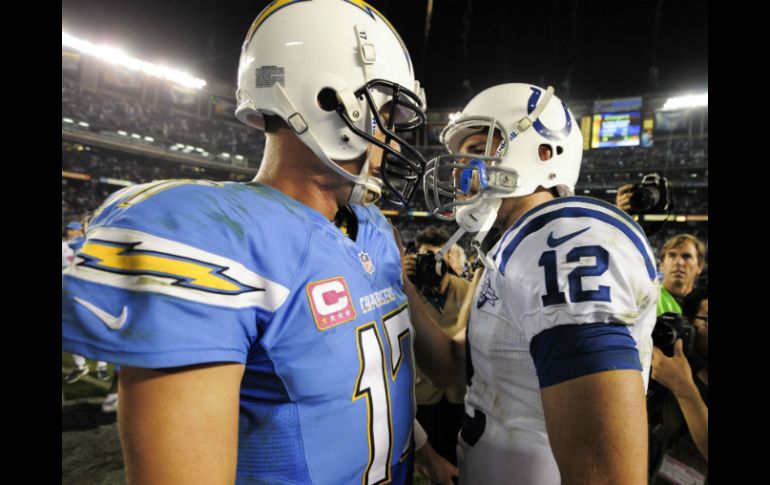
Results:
669 327
426 273
651 195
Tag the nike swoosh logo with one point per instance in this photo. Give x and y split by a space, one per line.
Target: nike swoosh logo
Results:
113 322
556 241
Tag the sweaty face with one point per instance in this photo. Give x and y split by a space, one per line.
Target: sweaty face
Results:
680 266
476 145
376 153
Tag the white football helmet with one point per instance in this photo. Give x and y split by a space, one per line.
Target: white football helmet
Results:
526 117
327 68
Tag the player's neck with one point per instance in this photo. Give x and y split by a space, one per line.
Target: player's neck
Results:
291 167
518 206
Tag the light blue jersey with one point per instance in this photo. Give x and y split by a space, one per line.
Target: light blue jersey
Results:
185 272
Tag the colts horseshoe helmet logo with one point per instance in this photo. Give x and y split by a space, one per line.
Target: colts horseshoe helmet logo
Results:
554 135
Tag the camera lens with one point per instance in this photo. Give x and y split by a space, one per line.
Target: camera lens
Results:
663 335
426 272
644 198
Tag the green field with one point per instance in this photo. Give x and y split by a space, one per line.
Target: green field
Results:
88 386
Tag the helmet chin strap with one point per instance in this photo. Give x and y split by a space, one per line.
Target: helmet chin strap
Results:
477 218
366 190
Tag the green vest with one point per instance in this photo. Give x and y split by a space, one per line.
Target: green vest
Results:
667 303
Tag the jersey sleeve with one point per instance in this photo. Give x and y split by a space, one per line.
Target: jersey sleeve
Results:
580 282
576 262
167 279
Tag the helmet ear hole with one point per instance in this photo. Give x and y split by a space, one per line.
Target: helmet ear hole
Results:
545 152
559 150
327 99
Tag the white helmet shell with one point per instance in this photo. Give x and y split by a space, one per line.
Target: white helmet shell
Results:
514 108
297 53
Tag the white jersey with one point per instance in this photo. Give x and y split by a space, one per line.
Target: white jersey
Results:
574 260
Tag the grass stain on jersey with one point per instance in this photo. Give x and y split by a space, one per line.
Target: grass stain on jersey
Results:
169 222
231 223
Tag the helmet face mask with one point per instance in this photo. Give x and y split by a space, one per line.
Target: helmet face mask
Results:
401 167
458 179
329 80
531 119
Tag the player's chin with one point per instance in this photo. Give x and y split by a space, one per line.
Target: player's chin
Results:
463 197
353 165
343 193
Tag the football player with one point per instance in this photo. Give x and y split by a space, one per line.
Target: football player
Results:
259 342
558 343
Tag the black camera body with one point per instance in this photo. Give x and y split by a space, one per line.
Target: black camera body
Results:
426 272
669 327
651 195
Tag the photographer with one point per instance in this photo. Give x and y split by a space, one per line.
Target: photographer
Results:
439 410
623 197
682 260
679 369
683 256
685 374
652 195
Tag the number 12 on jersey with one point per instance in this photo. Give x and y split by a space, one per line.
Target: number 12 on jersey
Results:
575 278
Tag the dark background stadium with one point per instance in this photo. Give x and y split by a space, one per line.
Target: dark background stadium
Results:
585 49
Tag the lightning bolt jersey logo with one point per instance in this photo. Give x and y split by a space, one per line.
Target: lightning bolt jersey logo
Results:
138 261
125 258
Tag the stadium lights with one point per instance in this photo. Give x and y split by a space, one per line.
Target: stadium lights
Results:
685 102
149 138
134 135
118 57
239 157
226 155
83 123
122 133
67 120
454 116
